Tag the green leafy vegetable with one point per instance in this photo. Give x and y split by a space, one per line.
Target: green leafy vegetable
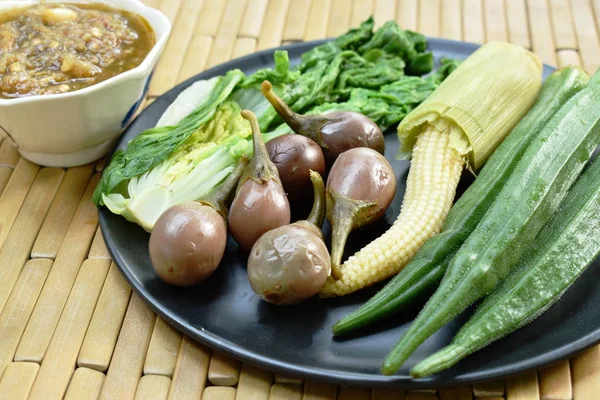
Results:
154 145
199 138
203 161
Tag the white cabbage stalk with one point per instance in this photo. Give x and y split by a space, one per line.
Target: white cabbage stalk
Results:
154 192
187 101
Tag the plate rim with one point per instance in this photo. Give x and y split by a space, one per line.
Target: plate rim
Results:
310 373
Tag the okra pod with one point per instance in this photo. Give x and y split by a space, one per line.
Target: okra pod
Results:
423 274
561 252
537 186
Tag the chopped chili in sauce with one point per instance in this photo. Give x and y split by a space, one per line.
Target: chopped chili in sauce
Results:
61 47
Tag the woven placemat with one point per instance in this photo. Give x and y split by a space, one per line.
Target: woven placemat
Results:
69 324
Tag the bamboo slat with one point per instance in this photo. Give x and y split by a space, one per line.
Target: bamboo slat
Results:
59 361
210 18
384 11
388 394
5 173
189 378
420 396
244 46
495 21
254 383
85 384
171 8
316 26
407 14
423 391
354 394
168 67
458 393
60 280
585 374
196 57
101 336
15 251
223 370
227 32
279 378
568 57
17 380
360 10
319 391
489 389
61 212
451 20
555 382
516 19
14 194
285 391
15 315
562 24
587 34
127 361
429 18
153 387
98 248
339 18
163 349
272 31
542 38
523 387
9 156
254 19
295 22
473 28
218 393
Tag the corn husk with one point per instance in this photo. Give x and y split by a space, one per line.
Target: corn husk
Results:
485 97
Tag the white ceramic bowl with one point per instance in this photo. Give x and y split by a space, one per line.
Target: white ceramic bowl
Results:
75 128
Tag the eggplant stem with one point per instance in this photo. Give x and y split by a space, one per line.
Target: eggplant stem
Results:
345 214
220 198
300 124
317 214
260 169
285 112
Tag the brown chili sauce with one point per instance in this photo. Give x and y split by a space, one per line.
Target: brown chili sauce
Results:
60 47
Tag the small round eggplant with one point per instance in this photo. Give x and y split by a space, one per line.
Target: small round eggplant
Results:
260 203
291 263
360 187
294 156
335 131
188 240
187 243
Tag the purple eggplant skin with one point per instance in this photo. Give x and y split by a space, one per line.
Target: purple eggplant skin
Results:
347 130
187 243
260 203
257 209
288 265
335 131
295 156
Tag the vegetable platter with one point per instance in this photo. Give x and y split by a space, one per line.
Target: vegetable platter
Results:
422 227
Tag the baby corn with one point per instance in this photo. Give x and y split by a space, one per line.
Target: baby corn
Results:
457 127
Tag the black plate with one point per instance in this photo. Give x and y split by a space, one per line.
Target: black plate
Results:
225 314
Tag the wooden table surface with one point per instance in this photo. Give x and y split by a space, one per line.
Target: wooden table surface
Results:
69 324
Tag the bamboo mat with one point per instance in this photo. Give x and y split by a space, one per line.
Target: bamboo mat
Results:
69 324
